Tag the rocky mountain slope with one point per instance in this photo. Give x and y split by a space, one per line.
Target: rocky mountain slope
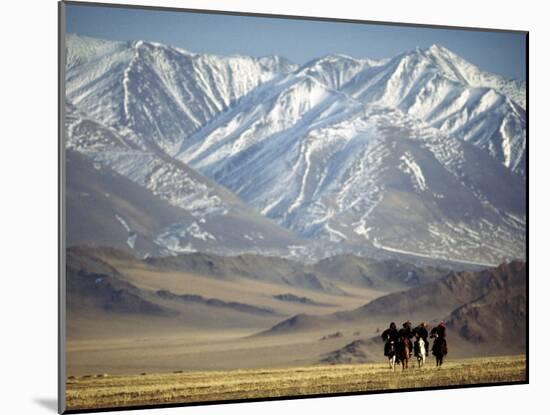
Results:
142 200
325 275
478 306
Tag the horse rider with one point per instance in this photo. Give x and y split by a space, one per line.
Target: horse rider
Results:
420 332
390 335
439 330
438 333
406 331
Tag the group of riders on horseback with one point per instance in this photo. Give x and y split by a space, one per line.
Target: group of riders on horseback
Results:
399 343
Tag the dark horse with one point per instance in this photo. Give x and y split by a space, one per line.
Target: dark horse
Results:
404 351
439 349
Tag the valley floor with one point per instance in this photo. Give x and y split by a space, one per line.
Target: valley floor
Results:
103 391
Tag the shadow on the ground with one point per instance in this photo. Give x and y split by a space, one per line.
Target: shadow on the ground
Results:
48 403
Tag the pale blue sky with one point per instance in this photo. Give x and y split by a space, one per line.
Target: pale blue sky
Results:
298 40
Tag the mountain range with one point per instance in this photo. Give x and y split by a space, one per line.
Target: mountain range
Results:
484 309
200 311
422 154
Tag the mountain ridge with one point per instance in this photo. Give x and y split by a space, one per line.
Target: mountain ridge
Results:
453 298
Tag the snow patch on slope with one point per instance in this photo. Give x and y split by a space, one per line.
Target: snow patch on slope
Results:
410 167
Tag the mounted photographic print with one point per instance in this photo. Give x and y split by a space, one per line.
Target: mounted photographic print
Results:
261 207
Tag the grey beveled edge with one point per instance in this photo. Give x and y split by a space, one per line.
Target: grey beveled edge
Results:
61 368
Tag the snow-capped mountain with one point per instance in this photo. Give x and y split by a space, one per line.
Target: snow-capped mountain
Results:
422 153
355 174
148 203
438 87
155 94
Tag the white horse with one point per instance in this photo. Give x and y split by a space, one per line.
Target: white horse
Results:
392 355
421 352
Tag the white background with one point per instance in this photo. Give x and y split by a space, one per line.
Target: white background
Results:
28 231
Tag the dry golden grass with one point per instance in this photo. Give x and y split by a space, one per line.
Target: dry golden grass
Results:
151 389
